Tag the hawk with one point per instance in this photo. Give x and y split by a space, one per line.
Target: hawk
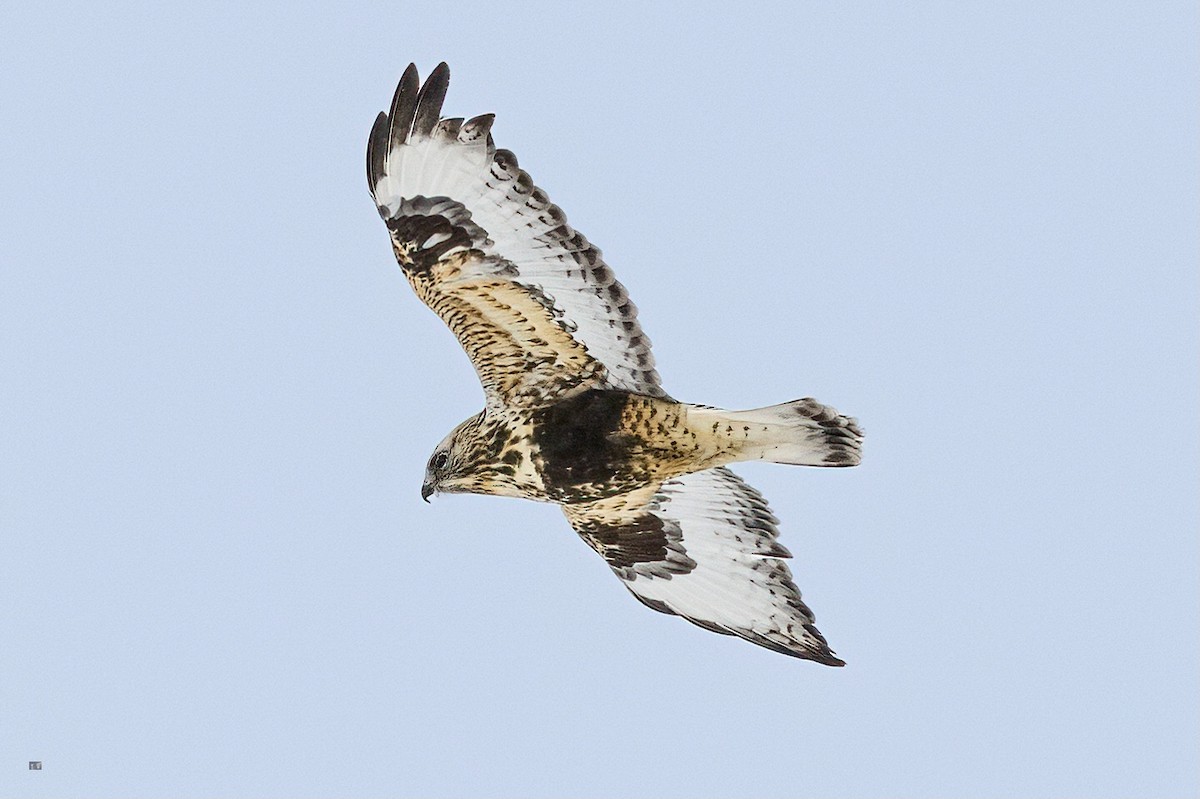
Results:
575 413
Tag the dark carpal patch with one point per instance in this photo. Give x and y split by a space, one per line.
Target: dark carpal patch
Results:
428 237
579 439
641 541
647 540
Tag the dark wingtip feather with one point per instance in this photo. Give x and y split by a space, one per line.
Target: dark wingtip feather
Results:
476 128
429 101
447 129
404 107
377 151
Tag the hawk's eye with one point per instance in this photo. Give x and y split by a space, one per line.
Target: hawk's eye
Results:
440 460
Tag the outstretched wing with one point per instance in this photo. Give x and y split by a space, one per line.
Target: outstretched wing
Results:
704 546
530 300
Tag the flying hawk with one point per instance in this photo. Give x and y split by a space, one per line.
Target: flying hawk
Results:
575 413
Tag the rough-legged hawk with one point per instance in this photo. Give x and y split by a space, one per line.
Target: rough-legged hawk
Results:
575 413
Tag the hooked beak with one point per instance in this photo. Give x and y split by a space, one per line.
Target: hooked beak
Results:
427 490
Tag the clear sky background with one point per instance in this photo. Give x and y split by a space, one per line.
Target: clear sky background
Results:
972 225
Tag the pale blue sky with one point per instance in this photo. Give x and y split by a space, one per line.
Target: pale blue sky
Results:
972 225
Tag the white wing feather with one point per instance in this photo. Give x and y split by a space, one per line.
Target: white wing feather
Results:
722 566
458 160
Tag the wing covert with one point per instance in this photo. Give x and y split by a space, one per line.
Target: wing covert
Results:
491 255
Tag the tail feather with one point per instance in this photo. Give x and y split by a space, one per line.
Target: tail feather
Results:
803 433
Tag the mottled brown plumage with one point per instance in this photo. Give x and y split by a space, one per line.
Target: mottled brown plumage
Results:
575 413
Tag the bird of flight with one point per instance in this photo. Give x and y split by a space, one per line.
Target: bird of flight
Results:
575 413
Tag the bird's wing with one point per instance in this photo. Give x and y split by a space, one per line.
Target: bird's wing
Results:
704 546
535 307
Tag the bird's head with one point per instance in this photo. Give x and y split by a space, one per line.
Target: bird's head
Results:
449 464
466 461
